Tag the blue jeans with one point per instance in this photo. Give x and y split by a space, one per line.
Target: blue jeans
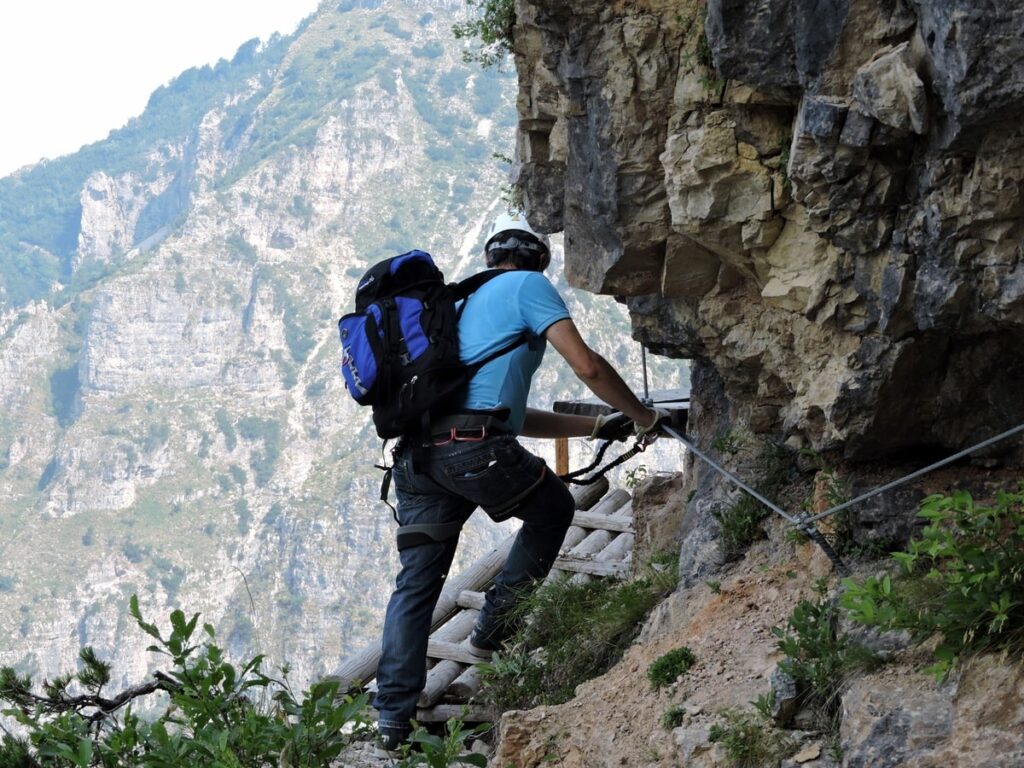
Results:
505 479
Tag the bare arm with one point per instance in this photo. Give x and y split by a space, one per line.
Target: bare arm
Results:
594 371
545 424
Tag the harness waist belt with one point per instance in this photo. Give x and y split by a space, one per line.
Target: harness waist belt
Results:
494 422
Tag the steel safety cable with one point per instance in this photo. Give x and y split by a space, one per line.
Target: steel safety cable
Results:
806 526
914 475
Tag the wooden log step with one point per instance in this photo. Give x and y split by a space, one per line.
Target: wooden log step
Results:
362 666
591 567
458 627
439 649
611 503
619 550
467 685
467 713
586 496
602 522
439 678
470 599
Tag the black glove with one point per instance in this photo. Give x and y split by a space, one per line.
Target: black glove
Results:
613 426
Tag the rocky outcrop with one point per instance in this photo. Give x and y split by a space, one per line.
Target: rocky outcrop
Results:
902 718
822 201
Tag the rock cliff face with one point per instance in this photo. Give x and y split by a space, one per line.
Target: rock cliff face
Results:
821 201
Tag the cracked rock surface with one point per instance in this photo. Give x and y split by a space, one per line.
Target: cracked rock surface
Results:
821 200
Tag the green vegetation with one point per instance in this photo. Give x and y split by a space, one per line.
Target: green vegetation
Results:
750 740
741 523
673 717
492 27
425 748
215 713
64 387
267 431
583 630
226 428
819 658
668 668
961 579
157 436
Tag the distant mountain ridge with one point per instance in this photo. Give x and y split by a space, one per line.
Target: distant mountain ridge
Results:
173 423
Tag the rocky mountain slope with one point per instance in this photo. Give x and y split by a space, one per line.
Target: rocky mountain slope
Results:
173 423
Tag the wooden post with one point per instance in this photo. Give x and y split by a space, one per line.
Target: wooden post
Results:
562 455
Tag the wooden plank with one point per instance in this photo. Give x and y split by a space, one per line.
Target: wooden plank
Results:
439 649
590 566
562 455
443 674
602 522
468 713
671 399
362 666
586 496
469 599
458 627
467 685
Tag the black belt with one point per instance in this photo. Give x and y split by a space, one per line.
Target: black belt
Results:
469 427
454 435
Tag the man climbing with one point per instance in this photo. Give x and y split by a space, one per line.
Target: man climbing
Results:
474 460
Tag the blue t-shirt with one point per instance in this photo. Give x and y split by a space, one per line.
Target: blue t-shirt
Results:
508 306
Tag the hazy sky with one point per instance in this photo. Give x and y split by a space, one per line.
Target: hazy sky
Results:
73 70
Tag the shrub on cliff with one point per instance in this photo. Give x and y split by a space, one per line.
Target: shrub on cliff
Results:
493 27
963 579
213 712
569 633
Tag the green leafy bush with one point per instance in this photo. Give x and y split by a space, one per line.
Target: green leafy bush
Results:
492 26
435 751
666 669
962 580
215 713
750 740
819 658
568 633
673 717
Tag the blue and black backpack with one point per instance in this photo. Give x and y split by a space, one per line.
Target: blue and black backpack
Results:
400 348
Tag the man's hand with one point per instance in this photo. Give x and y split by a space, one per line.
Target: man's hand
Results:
648 432
613 426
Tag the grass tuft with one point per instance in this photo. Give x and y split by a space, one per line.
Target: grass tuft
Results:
566 634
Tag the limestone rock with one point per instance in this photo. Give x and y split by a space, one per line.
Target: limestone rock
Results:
821 200
785 696
909 721
889 89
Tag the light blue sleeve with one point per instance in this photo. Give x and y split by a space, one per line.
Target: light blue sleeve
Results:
540 304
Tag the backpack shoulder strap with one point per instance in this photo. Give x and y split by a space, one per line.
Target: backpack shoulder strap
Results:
472 284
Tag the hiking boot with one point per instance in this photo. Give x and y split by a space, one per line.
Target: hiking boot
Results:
389 743
482 646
